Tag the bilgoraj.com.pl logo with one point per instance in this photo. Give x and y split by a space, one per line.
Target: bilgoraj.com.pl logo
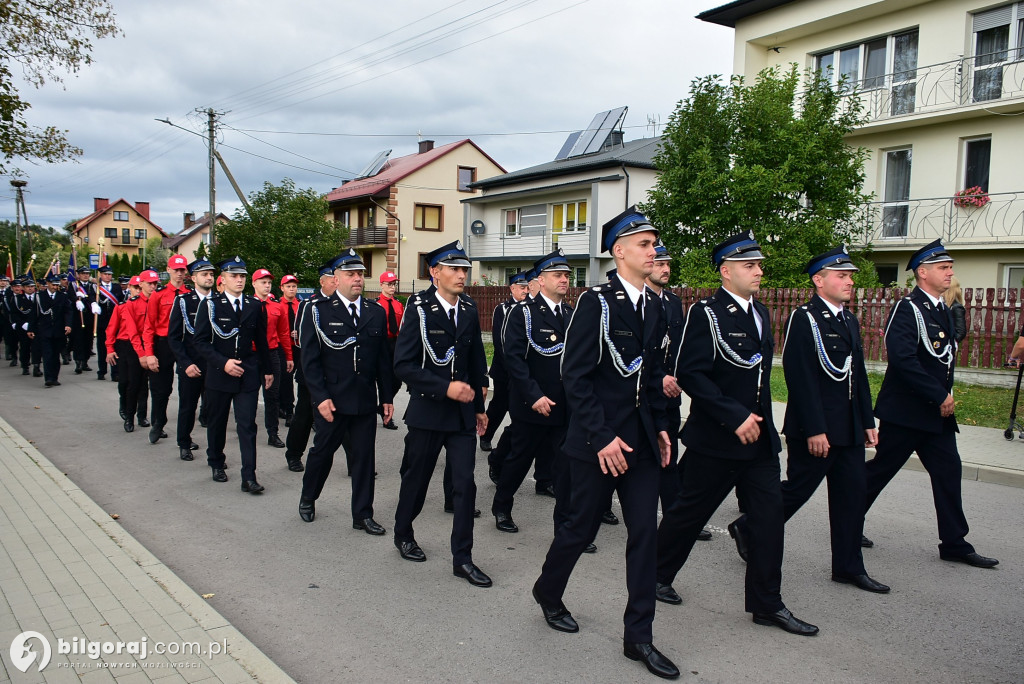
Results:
28 646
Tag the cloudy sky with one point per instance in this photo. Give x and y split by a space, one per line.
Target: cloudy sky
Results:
313 91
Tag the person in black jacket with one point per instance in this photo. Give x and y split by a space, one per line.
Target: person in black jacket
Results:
725 365
190 363
106 294
52 327
617 437
231 334
346 365
440 358
915 404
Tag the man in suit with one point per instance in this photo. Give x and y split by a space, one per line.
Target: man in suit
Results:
534 336
190 363
915 404
617 437
231 334
440 358
106 296
22 310
346 364
52 327
498 406
828 417
82 295
26 308
394 310
724 365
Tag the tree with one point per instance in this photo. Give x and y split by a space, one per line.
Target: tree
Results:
135 265
287 232
157 255
45 38
766 158
201 253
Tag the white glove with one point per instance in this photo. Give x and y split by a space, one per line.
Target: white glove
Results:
96 308
24 326
79 305
80 294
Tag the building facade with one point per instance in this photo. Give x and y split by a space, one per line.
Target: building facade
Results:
192 234
123 227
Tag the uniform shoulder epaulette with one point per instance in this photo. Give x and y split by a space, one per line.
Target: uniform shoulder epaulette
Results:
466 299
372 302
805 307
161 287
415 300
603 287
133 298
907 297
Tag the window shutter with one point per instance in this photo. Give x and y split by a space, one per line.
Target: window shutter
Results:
1000 16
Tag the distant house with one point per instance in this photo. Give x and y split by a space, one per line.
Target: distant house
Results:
192 234
406 207
124 228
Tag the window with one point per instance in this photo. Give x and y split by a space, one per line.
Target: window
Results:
204 238
509 272
342 216
1013 275
467 175
424 271
140 233
569 216
428 217
529 220
110 232
888 273
977 155
885 62
120 215
367 257
366 217
511 222
126 236
995 32
579 277
896 210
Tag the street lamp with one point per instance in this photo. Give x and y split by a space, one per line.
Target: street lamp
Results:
18 184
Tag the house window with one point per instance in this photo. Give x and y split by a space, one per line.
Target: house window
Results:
977 156
511 271
888 274
367 257
424 270
896 209
428 217
531 220
120 215
1013 276
511 222
880 63
579 277
366 216
569 217
140 233
996 31
126 236
204 238
342 216
110 232
467 175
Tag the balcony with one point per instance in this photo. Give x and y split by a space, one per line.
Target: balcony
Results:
367 235
915 223
532 245
121 241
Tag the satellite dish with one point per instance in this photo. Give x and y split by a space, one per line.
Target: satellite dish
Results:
477 227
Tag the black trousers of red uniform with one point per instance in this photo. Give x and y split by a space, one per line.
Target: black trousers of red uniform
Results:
161 382
272 395
129 378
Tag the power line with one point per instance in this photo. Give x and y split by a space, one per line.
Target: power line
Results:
276 147
421 134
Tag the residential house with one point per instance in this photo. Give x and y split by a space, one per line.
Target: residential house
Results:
123 227
401 209
193 233
943 84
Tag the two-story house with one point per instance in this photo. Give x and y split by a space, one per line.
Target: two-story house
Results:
123 227
193 233
943 84
406 207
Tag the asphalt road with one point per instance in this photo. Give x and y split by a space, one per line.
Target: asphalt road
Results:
333 604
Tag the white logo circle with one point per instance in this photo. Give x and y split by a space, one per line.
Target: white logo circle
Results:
22 656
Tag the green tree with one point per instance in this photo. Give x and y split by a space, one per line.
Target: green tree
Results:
201 252
46 39
287 232
763 157
156 254
135 265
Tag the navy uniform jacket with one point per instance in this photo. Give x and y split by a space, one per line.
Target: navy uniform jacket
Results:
297 344
181 332
53 314
349 364
23 311
675 320
424 341
724 388
916 382
825 402
223 334
533 357
605 400
106 306
498 371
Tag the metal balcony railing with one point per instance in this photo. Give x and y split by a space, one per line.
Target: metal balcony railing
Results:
919 221
367 235
529 243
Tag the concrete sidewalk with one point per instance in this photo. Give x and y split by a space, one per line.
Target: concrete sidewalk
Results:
69 571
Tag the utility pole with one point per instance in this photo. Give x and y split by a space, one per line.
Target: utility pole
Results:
19 206
211 134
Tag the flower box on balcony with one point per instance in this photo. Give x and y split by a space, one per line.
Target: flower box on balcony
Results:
971 198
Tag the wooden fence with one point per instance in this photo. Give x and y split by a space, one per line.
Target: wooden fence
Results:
993 316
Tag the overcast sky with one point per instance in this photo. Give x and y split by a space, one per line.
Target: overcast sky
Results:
326 86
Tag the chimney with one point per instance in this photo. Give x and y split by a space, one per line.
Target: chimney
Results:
143 208
100 203
426 146
189 219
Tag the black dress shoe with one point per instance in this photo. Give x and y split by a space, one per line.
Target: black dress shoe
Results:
666 594
202 423
972 558
485 445
472 574
449 507
129 426
275 441
307 509
546 490
368 525
411 551
494 474
608 518
390 425
252 487
704 535
101 376
154 435
737 532
590 548
219 475
504 523
36 373
656 662
557 616
49 384
163 435
193 446
861 582
287 421
85 368
24 371
143 422
784 619
123 415
186 454
295 465
78 370
866 543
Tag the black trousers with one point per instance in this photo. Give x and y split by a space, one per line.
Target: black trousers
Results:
101 349
81 338
422 448
272 395
302 422
219 403
29 349
844 468
190 391
10 336
51 347
496 457
129 378
669 486
939 456
591 489
496 409
162 382
529 441
707 479
358 433
286 400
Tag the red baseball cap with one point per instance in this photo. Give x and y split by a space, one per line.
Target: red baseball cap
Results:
388 277
134 280
177 261
261 273
149 277
289 279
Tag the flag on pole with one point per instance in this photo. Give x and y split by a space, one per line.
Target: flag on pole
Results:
103 259
10 268
72 280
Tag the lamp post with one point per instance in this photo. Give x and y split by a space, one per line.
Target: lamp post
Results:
18 184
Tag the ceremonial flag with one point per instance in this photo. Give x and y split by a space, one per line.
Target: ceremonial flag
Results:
10 268
72 281
103 259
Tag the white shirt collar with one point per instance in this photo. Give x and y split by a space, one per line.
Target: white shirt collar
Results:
348 302
934 300
445 305
743 303
551 304
831 307
633 293
232 299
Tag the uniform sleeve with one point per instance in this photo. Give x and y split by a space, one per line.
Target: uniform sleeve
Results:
478 367
261 343
284 337
203 339
149 328
860 380
516 348
580 358
409 354
655 355
385 369
901 340
799 365
113 326
176 336
312 367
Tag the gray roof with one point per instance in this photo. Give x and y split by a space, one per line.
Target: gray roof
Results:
730 13
637 153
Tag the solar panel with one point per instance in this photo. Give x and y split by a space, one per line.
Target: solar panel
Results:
612 119
375 166
567 145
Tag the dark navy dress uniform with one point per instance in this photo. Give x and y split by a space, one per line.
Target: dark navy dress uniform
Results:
23 315
53 315
302 420
82 320
181 340
106 305
675 319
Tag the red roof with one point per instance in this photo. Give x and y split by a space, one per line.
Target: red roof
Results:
395 170
83 222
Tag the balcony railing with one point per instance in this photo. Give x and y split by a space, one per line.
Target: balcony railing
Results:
949 85
367 235
532 245
918 222
122 241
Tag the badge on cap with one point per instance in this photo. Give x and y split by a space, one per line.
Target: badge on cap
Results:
458 244
560 252
238 259
351 252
